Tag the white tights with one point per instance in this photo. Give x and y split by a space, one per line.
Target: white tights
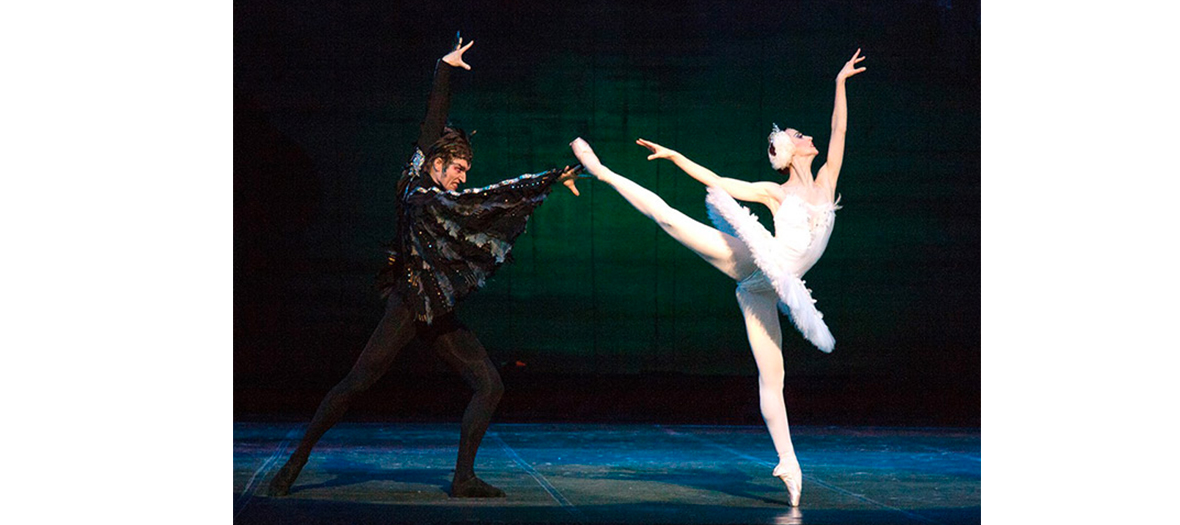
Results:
759 307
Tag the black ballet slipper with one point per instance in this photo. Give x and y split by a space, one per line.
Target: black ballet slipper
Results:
474 488
280 485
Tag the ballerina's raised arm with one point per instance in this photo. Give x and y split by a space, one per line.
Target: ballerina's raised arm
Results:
768 193
831 169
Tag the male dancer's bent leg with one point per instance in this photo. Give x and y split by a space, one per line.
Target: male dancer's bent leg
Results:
392 333
464 353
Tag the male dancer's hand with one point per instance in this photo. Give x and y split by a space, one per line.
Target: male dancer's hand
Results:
568 176
455 57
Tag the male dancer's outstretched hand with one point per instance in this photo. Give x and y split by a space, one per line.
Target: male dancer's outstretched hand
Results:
455 57
568 176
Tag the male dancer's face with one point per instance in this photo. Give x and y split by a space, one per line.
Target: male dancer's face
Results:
451 176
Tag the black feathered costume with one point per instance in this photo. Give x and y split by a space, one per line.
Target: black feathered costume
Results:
448 244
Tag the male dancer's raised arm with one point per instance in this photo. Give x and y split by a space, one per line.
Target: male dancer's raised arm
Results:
447 244
439 104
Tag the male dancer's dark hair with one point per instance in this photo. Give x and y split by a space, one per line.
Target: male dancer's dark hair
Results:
453 144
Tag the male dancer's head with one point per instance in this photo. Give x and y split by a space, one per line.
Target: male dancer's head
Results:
449 158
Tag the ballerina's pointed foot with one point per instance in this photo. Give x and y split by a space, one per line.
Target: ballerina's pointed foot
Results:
792 477
474 488
586 156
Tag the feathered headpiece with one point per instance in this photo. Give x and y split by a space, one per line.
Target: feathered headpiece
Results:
781 148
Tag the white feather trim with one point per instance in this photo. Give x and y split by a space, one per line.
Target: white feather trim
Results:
771 257
784 149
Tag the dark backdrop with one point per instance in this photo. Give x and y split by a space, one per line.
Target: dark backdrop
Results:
602 316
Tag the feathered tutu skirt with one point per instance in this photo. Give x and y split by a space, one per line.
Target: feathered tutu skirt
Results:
780 259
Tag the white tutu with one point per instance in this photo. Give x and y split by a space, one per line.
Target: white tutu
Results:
801 234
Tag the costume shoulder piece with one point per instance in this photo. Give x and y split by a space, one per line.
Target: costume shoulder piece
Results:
453 241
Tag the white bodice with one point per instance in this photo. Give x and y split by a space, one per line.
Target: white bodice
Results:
803 230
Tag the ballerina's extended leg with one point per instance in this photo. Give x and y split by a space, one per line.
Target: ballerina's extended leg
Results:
723 251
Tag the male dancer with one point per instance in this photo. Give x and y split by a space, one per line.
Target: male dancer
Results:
447 244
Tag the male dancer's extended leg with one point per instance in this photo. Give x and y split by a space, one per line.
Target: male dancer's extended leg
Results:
762 327
392 333
725 252
463 351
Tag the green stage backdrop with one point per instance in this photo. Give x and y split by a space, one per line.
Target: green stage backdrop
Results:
327 102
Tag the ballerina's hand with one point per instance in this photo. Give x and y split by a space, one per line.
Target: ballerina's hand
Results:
850 68
657 151
455 57
569 176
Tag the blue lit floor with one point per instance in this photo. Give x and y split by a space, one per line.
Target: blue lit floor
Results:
574 473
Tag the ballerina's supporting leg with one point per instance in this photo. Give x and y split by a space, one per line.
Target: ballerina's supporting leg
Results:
723 251
762 327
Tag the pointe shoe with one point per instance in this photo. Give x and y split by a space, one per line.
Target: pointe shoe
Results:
792 477
586 156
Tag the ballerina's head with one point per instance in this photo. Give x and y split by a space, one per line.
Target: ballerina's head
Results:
785 144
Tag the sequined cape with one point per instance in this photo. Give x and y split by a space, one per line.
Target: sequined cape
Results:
450 242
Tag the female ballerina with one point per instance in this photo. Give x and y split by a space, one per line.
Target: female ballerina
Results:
768 268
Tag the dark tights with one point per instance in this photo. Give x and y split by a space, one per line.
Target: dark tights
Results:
451 341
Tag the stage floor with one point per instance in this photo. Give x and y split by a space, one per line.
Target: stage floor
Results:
582 473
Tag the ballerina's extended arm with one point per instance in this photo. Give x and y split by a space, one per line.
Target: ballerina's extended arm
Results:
767 193
831 169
